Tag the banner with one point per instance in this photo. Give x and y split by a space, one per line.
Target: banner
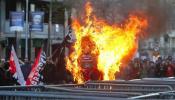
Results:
37 20
38 66
15 68
16 21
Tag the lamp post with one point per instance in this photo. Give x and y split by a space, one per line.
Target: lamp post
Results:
26 35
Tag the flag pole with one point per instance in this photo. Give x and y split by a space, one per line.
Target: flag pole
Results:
49 29
26 35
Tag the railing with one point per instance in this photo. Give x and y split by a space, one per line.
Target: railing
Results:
140 88
95 90
146 81
22 88
159 95
18 95
48 93
43 34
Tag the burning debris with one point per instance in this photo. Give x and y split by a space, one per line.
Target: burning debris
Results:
101 48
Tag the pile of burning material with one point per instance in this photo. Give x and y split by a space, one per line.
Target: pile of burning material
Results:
101 49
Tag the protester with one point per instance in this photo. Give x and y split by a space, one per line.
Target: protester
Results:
151 70
26 68
5 76
2 73
137 68
169 69
49 68
145 68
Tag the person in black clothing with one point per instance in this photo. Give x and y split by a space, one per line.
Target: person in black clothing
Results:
2 75
49 72
26 69
6 77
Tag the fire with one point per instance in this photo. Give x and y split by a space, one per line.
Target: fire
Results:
106 47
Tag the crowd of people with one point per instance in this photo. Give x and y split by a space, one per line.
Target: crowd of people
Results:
139 68
136 69
49 75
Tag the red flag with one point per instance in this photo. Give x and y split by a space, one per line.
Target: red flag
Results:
15 68
34 76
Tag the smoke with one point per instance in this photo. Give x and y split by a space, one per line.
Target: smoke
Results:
157 12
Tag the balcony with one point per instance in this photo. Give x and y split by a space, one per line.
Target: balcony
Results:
55 35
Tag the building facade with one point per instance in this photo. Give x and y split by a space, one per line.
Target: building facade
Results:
35 39
163 42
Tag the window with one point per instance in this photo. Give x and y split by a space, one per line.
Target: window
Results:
173 26
10 6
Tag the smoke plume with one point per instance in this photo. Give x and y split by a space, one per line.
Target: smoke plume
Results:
157 12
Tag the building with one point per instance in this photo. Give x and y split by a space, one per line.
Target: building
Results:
171 29
164 43
36 39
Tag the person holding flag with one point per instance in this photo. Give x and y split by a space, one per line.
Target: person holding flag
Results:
35 74
15 68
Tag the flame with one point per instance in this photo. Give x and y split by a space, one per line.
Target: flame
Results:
109 45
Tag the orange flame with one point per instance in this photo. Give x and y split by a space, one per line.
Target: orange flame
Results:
108 45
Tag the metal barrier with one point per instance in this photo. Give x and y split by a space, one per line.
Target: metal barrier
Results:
50 92
159 95
30 95
146 81
22 88
129 87
86 91
93 90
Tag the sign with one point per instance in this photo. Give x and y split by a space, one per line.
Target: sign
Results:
37 19
57 27
16 21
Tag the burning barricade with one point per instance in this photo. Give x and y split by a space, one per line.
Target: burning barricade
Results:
100 48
